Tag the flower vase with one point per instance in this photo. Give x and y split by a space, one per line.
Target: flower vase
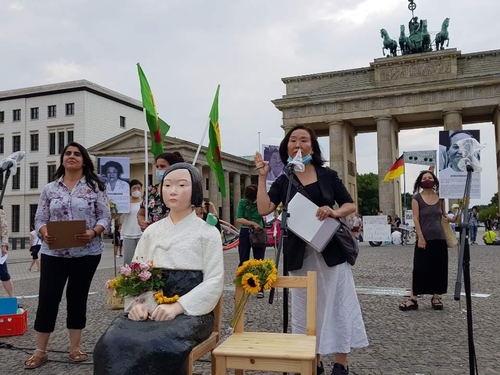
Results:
239 308
147 298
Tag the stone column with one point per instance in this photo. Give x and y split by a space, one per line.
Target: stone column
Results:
236 193
203 183
387 149
248 180
338 152
343 154
226 208
213 189
496 122
452 119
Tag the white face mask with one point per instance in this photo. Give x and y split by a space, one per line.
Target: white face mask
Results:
137 194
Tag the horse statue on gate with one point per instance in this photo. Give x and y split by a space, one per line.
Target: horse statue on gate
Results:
389 43
426 38
443 35
404 42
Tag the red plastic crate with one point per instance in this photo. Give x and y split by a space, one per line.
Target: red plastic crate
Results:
13 325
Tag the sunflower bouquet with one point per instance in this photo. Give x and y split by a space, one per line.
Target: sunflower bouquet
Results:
253 275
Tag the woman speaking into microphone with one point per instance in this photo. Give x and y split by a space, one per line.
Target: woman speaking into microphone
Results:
340 325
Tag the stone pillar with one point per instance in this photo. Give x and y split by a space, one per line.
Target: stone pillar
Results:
343 154
248 180
226 205
387 149
203 183
213 189
236 193
496 122
452 119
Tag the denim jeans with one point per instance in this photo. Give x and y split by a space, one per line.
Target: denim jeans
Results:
473 233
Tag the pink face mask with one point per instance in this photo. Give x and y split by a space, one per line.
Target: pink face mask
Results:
427 184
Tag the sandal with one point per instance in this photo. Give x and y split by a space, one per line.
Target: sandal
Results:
260 295
436 303
410 304
78 356
36 361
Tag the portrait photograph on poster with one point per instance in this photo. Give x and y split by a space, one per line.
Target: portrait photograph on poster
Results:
115 173
272 156
451 177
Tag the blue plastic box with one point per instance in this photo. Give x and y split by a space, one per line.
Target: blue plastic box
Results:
8 305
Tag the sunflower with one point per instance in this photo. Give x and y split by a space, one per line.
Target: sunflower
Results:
270 280
250 283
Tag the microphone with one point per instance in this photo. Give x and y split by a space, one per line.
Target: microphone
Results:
11 161
469 148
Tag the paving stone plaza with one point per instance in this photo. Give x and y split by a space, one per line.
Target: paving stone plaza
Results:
414 342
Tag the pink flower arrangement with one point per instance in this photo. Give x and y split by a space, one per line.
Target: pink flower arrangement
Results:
136 278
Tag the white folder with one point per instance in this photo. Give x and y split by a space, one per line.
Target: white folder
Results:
303 223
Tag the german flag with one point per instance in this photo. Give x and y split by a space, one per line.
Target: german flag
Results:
397 169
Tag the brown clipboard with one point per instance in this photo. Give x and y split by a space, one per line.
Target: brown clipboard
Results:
64 232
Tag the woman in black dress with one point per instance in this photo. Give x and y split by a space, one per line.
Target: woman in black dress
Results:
430 260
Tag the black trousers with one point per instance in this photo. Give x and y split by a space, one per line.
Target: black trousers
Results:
54 273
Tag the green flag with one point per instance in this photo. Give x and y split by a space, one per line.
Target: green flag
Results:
157 127
214 158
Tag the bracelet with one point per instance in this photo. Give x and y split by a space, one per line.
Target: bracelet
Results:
95 233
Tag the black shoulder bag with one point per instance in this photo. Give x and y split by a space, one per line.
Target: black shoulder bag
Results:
258 237
343 237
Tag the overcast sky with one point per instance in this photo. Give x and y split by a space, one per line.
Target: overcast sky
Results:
187 47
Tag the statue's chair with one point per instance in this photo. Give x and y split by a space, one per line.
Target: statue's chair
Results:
279 352
209 344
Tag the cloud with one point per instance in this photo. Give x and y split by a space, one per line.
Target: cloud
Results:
16 6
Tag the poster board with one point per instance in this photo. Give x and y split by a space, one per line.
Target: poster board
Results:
375 228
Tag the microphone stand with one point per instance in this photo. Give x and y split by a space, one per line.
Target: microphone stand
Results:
4 185
289 171
464 265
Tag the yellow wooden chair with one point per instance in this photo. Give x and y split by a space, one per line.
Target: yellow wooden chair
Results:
281 352
209 344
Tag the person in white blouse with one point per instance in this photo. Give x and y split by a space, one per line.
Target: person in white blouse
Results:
190 251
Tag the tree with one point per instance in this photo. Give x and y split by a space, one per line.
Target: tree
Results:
368 203
409 197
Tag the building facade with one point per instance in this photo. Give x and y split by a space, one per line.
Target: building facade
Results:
41 120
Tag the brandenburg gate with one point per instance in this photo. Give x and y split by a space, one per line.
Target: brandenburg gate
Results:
430 89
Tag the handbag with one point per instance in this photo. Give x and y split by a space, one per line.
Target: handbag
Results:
257 236
451 239
343 238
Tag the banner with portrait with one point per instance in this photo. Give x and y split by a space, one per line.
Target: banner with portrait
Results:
115 173
451 178
271 155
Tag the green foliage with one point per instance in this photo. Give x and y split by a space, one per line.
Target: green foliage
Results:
488 211
368 202
409 197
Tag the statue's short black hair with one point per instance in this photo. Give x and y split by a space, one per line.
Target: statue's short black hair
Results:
197 189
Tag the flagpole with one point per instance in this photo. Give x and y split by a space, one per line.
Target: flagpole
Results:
404 188
201 142
146 165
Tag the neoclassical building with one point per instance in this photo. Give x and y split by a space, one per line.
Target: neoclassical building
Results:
41 120
442 88
238 171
